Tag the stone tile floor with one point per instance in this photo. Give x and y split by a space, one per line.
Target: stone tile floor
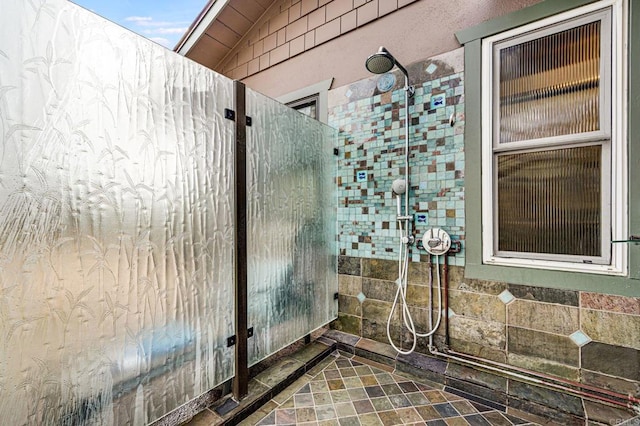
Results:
359 392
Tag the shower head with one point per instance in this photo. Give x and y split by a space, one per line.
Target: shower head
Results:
382 62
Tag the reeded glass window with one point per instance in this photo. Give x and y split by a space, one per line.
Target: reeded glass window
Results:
550 201
549 86
551 137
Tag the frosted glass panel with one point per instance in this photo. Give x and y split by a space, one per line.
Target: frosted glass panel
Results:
291 209
550 86
549 201
115 222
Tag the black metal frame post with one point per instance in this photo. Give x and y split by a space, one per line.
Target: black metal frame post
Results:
241 379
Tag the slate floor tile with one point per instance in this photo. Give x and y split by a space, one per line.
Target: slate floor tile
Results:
351 393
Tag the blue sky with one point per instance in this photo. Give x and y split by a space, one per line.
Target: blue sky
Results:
163 21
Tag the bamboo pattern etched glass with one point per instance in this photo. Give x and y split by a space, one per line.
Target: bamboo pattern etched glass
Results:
116 227
291 221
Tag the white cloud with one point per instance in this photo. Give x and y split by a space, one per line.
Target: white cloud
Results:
147 21
162 23
174 30
139 19
162 32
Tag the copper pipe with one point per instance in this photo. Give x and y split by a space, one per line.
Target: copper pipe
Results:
538 376
430 265
501 368
445 289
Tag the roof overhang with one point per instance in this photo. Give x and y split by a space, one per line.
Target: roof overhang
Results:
218 29
204 20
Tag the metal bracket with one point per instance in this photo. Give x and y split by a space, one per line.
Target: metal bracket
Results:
634 239
230 114
336 151
335 296
231 340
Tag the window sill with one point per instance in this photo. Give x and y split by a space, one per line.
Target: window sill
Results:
586 268
566 280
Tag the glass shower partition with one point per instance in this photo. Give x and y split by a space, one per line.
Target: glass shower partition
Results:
116 221
291 225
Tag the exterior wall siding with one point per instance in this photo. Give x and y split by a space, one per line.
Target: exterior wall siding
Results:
290 28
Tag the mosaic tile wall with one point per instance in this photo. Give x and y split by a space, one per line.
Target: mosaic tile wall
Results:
370 116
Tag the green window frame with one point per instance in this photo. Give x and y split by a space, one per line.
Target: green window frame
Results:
581 277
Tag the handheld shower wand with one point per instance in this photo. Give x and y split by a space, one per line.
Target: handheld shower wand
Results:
399 187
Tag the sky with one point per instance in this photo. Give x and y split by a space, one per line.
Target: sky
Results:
163 21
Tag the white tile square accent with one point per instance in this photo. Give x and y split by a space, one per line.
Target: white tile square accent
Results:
579 338
431 68
506 297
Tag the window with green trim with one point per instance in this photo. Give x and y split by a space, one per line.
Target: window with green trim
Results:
553 151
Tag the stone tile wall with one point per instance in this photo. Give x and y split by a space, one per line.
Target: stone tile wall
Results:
291 27
516 398
587 337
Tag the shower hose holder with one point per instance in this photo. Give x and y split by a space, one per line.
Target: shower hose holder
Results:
409 240
410 91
